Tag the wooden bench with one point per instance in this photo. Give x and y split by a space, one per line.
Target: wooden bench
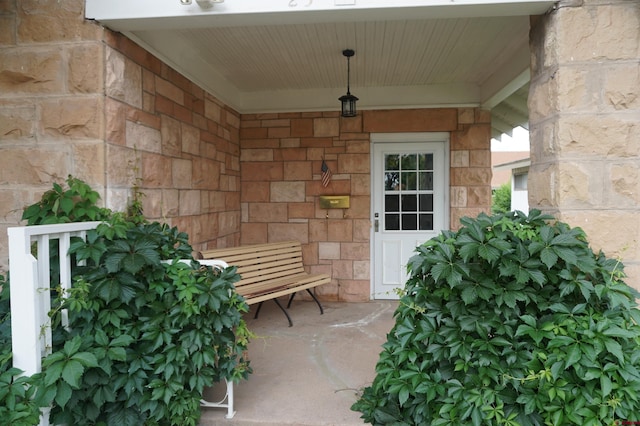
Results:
269 271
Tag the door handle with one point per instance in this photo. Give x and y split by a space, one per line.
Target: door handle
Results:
376 224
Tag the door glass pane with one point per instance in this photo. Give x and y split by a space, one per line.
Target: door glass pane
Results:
391 203
426 222
391 222
392 162
391 181
409 162
409 181
409 222
426 202
426 181
426 162
409 203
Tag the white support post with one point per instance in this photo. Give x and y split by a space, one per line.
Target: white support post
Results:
25 327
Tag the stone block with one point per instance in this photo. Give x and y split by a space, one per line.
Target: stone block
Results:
287 192
123 79
156 170
256 155
342 269
297 170
543 98
268 212
190 139
17 121
86 65
480 158
472 137
181 173
460 158
206 173
301 210
622 185
88 161
361 269
326 127
620 86
355 251
47 21
30 166
351 124
169 90
360 207
261 171
121 166
170 202
466 115
152 203
458 196
410 120
170 135
318 229
74 118
278 132
255 191
479 196
340 230
7 30
361 230
354 290
360 184
471 176
229 222
189 203
353 163
328 251
253 233
600 135
142 137
599 32
217 201
288 231
29 71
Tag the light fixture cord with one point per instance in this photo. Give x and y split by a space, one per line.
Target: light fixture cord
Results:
348 74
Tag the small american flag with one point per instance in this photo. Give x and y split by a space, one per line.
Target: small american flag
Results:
326 174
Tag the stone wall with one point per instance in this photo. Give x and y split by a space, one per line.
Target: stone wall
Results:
177 143
281 157
584 111
51 103
77 99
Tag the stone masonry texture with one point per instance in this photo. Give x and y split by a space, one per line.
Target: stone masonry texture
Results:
584 110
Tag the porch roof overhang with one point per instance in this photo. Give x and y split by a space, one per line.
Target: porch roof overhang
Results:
262 56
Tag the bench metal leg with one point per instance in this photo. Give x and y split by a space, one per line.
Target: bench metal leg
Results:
221 404
312 295
279 306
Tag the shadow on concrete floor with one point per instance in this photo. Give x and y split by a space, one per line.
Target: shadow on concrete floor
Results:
309 374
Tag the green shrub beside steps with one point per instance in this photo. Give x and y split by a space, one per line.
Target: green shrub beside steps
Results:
511 320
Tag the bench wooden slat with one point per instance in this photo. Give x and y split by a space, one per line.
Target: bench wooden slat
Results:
269 270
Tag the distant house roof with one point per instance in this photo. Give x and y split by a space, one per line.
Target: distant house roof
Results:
518 164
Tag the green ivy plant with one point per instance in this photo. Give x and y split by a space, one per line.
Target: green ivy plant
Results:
147 332
511 320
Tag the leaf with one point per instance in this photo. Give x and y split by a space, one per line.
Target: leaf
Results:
72 373
573 355
63 394
614 348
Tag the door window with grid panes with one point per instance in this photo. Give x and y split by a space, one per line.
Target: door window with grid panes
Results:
408 192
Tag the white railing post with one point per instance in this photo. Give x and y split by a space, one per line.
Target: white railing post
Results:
25 319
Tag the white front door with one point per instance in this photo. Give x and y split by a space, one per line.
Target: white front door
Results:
410 203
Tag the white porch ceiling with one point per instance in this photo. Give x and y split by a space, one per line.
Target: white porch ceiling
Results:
286 55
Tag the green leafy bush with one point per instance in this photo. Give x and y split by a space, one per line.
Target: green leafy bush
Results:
512 320
501 199
17 406
147 332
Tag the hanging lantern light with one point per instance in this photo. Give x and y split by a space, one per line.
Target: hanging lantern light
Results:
348 101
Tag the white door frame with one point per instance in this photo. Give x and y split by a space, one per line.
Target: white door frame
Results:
413 137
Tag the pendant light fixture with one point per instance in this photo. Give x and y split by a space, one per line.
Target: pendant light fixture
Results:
348 101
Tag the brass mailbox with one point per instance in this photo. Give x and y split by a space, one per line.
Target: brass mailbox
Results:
334 201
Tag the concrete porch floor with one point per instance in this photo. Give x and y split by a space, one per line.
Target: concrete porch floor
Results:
309 374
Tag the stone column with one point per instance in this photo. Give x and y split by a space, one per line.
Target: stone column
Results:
584 107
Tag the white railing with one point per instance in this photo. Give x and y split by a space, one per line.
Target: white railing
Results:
30 290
